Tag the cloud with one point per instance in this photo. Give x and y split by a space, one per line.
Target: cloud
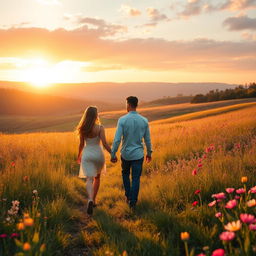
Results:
87 45
130 11
249 36
240 23
197 7
155 15
98 25
49 2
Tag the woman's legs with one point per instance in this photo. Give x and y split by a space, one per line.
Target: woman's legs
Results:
89 188
96 185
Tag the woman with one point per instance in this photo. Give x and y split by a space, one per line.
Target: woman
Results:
91 156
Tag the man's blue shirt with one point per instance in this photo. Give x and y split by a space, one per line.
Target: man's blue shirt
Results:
131 129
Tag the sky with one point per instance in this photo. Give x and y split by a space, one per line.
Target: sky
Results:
74 41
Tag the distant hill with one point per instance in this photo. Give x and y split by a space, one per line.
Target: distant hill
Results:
117 92
17 102
168 101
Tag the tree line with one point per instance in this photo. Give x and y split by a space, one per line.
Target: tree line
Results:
240 92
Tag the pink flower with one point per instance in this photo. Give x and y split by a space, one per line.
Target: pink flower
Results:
230 190
201 254
14 235
199 165
3 236
219 196
253 190
252 227
240 191
13 164
194 172
231 204
195 203
247 218
237 197
197 191
218 214
211 204
227 236
204 156
200 160
218 252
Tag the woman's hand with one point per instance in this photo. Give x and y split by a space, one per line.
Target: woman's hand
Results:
78 160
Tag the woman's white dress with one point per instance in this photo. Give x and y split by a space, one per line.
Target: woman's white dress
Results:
93 159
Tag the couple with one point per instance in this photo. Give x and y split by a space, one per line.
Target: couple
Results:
131 129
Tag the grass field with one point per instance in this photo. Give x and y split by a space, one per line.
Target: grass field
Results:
207 151
64 123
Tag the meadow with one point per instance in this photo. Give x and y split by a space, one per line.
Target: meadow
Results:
195 159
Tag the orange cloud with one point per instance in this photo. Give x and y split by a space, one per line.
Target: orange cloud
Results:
88 45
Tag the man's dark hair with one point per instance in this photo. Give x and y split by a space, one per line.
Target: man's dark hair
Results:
133 101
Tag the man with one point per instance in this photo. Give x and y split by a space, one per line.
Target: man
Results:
131 129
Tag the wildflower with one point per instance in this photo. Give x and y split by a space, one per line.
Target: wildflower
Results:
218 214
125 253
218 252
200 160
237 197
194 172
211 204
201 254
25 178
3 235
195 203
13 164
247 218
252 227
26 215
233 226
251 203
200 165
197 191
43 247
230 190
227 236
219 196
244 179
204 156
20 226
253 190
14 235
240 191
231 204
184 236
35 191
28 222
26 247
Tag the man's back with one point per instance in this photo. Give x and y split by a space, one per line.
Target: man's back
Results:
132 128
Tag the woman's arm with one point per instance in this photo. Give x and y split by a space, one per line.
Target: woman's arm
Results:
80 149
103 139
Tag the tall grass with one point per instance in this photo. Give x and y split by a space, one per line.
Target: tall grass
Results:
46 162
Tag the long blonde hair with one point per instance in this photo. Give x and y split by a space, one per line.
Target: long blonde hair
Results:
87 122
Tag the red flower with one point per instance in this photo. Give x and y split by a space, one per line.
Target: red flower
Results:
194 172
197 191
13 164
3 236
195 203
14 235
218 252
199 165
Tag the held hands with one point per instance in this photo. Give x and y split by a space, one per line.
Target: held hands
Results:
148 159
113 159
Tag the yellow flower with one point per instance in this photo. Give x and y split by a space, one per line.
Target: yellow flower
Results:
26 247
244 179
28 222
233 226
20 226
125 253
251 203
26 215
184 236
43 247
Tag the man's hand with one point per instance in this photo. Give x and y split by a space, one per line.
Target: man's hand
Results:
79 160
113 159
148 159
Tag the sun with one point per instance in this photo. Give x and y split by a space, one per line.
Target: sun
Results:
39 74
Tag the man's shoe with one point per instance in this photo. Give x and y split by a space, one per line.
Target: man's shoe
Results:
90 208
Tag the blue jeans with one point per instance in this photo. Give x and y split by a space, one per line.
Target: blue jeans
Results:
132 191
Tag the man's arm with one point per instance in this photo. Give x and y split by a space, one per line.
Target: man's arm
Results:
148 142
117 139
